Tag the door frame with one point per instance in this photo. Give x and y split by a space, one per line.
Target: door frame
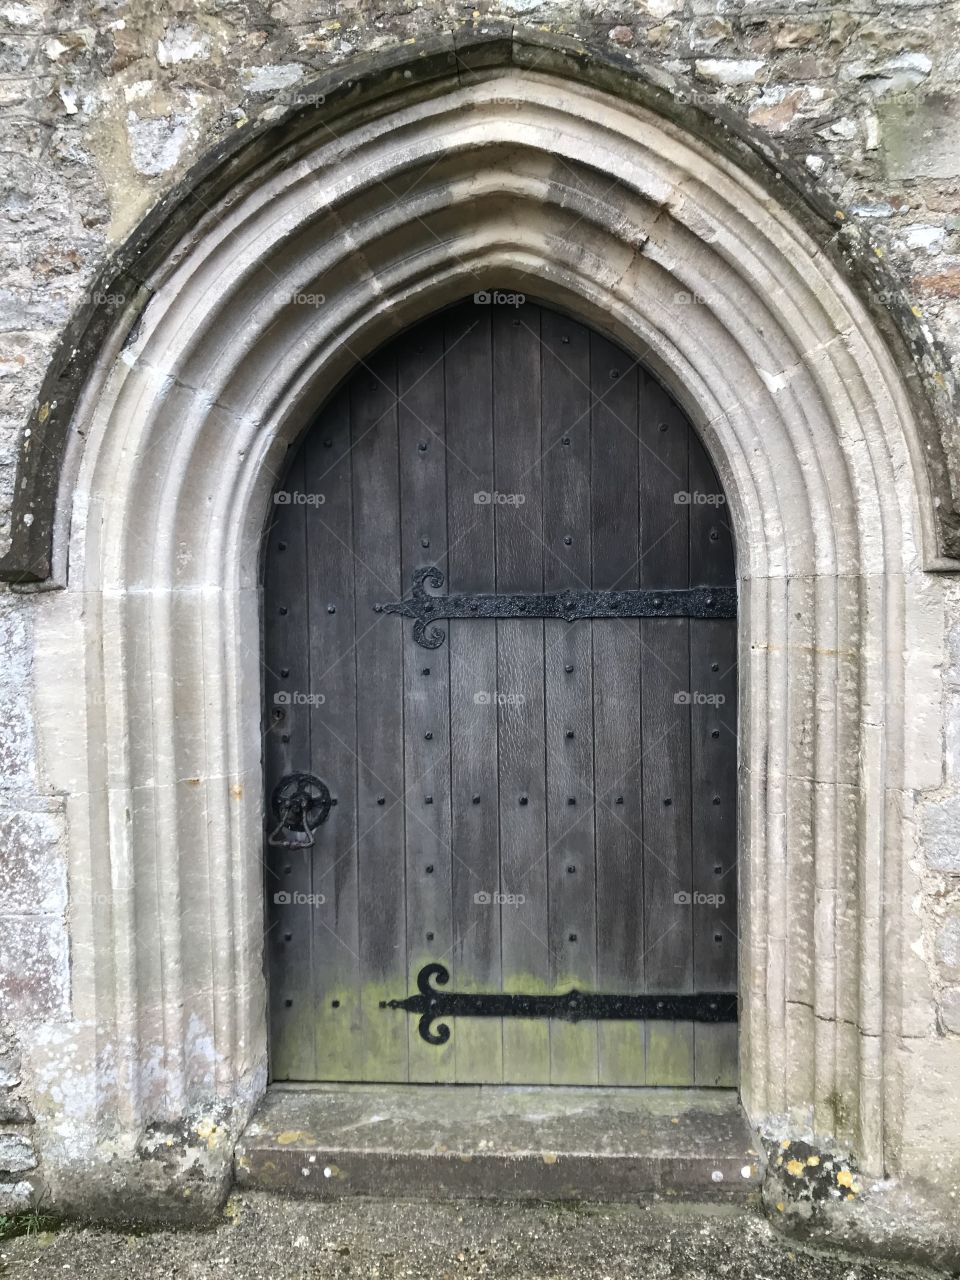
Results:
186 416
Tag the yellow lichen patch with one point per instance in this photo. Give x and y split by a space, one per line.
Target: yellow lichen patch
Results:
780 1206
231 1209
44 412
291 1135
205 1128
795 1168
549 1157
878 251
784 1143
812 1161
840 214
845 1178
916 311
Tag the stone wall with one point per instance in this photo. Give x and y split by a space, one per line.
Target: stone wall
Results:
104 108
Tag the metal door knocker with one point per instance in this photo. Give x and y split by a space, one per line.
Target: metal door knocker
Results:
301 803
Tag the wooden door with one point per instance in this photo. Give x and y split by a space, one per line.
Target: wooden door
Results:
476 807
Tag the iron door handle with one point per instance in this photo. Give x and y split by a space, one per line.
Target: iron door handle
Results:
301 803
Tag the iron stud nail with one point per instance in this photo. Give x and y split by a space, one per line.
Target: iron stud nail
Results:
288 1002
571 799
284 737
287 937
614 373
667 800
567 540
429 937
428 799
284 671
568 668
714 666
428 736
281 546
283 610
378 608
716 799
573 937
564 339
718 870
476 799
335 1004
328 444
569 733
718 937
619 800
523 799
422 446
663 426
425 671
571 869
424 542
381 800
714 733
331 608
429 868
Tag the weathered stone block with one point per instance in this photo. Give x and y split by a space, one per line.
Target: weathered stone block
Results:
947 947
920 138
34 970
16 1153
950 1009
16 1197
32 872
941 835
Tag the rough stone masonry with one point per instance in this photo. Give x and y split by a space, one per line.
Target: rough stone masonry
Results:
105 108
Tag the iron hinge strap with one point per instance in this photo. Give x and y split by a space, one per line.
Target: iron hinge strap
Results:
565 606
571 1006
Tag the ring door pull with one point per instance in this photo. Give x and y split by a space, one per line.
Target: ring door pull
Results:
301 803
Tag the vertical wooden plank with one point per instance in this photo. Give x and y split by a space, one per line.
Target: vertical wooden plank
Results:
379 655
289 937
519 556
617 707
713 741
665 679
472 649
423 503
328 575
568 690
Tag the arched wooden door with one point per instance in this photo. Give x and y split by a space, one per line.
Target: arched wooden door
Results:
473 787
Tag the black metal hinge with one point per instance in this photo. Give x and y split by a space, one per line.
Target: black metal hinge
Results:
566 606
573 1006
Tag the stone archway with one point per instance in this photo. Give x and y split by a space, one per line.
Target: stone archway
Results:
418 193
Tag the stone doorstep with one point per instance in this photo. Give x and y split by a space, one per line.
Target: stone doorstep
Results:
466 1141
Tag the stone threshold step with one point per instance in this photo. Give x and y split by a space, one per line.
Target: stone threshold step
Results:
499 1142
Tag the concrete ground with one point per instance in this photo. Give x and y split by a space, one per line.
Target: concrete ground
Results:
265 1236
